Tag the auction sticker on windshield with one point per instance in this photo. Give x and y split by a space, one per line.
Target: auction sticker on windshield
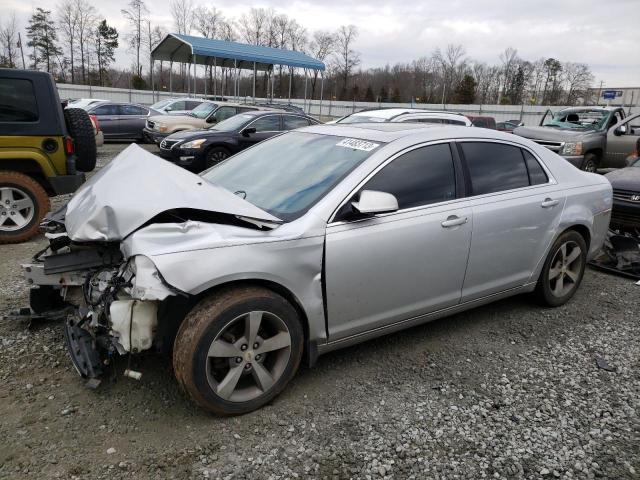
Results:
357 144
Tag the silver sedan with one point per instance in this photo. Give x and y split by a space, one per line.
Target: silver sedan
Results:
312 241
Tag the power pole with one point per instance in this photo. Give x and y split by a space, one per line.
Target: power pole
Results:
21 50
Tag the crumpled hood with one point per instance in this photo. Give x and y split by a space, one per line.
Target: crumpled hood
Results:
625 179
135 187
551 134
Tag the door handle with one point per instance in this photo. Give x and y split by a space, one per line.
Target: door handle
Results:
454 221
549 202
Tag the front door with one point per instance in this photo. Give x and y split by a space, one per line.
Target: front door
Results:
132 120
266 127
391 267
516 209
621 144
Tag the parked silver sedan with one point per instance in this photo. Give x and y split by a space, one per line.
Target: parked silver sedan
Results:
311 241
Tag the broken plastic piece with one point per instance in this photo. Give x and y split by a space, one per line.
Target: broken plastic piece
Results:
133 374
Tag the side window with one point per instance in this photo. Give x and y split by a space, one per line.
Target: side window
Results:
246 109
494 167
106 110
455 122
18 101
224 112
270 123
536 173
133 110
190 104
181 105
292 122
420 177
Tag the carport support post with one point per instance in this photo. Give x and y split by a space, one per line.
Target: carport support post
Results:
171 77
273 83
304 108
235 78
254 82
290 79
321 92
215 71
153 90
195 76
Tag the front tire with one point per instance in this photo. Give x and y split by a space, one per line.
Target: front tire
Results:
215 155
590 163
563 270
237 349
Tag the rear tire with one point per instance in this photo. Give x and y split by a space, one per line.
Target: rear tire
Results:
563 270
23 205
237 349
590 163
84 140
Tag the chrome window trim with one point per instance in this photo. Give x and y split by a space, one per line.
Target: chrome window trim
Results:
552 181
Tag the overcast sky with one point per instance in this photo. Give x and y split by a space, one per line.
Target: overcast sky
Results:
603 34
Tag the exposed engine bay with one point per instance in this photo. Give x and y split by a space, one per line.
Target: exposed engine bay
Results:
110 304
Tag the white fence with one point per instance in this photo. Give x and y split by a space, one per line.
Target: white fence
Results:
529 114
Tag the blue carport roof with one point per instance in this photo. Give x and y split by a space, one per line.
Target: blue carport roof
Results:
207 51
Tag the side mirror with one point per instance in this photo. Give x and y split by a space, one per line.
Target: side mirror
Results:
372 202
621 130
168 109
248 131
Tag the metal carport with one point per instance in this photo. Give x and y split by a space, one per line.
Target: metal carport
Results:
190 50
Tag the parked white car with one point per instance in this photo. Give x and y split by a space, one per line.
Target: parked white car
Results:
413 115
177 106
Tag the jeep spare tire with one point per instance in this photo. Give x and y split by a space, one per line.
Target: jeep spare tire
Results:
84 140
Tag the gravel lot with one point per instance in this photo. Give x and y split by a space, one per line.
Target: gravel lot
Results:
510 390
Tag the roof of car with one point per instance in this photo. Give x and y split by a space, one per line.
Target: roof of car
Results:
394 112
388 131
590 109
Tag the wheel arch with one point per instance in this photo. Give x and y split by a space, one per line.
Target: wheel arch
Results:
29 167
310 347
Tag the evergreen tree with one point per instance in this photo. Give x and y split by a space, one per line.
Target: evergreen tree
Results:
383 96
106 39
465 90
43 39
368 95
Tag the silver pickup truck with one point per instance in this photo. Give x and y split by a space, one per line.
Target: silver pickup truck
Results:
588 137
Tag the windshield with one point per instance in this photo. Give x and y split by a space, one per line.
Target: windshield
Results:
203 110
361 119
288 174
578 119
232 124
161 104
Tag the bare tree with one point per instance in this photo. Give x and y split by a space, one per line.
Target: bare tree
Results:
578 78
321 47
346 58
135 16
8 41
207 21
86 24
182 12
509 59
450 62
68 21
253 26
152 37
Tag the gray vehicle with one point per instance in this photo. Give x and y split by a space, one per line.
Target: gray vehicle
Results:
176 106
121 120
311 241
580 135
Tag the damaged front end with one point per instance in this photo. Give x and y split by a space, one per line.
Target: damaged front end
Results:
110 303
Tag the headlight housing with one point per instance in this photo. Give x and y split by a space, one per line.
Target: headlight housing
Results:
147 284
193 144
572 148
161 127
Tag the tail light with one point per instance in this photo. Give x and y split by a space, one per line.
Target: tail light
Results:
69 148
96 124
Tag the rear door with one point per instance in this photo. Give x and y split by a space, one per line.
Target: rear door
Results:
109 119
391 267
516 210
291 122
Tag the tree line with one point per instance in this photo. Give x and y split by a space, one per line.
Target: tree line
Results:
77 45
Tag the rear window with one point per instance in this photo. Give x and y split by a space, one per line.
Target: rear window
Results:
17 101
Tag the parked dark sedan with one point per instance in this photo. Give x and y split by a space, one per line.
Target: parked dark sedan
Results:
197 150
121 120
626 196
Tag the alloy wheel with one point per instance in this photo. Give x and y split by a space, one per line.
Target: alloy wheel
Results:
16 209
248 356
565 270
